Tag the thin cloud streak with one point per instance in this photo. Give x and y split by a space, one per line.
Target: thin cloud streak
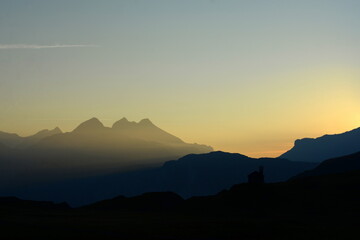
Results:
67 119
34 46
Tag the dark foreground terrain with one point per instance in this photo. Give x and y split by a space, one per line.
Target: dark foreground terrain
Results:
320 207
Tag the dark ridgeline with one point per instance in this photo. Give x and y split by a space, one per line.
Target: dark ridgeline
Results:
335 165
191 175
325 147
257 176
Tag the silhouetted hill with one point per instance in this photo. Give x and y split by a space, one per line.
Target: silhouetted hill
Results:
32 140
325 147
15 141
192 175
89 126
9 139
90 149
334 194
334 165
314 193
319 207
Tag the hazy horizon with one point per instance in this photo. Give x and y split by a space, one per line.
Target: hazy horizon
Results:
240 76
257 154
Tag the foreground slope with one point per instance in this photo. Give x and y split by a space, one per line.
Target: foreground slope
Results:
334 165
320 207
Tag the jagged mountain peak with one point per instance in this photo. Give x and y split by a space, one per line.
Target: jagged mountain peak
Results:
123 123
56 130
90 125
146 122
124 119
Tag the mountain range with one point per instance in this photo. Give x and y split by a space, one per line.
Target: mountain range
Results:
192 196
95 162
13 140
90 149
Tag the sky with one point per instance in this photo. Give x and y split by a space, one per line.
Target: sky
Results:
245 76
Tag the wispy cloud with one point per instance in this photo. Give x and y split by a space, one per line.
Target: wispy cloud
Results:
35 46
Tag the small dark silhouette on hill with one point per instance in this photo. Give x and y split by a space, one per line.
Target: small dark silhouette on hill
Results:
257 176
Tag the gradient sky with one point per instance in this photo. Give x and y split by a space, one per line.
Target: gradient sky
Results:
242 76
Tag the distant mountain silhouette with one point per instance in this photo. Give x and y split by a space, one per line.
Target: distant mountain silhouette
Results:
127 144
144 130
32 140
15 141
325 147
335 165
90 126
9 139
90 149
192 175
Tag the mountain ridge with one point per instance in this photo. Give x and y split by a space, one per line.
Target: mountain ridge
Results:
324 147
13 140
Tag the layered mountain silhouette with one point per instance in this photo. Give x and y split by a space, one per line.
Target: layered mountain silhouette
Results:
318 207
123 135
325 147
144 130
307 193
90 149
15 141
324 206
128 142
192 175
